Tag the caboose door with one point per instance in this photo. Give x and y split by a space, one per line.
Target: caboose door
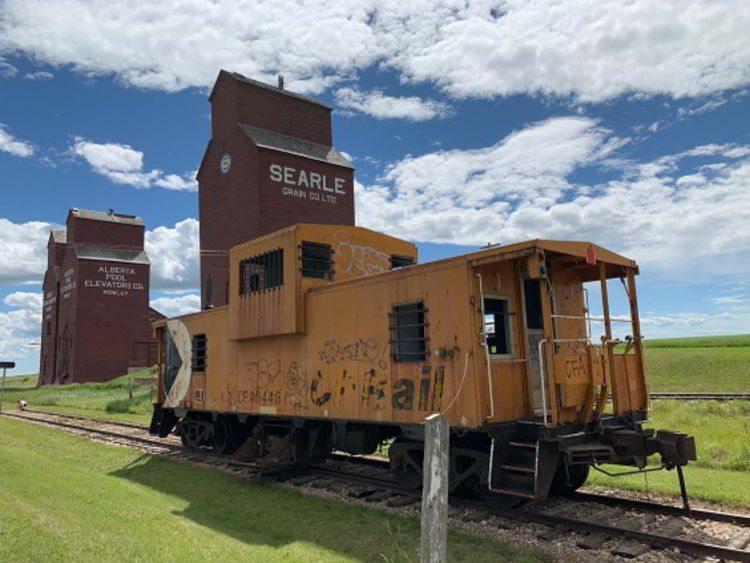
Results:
534 329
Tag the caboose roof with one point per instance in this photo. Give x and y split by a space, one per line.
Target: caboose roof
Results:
567 247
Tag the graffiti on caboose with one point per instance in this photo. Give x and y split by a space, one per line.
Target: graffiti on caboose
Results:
358 259
360 350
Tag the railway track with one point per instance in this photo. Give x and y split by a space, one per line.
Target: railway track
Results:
625 527
703 396
79 417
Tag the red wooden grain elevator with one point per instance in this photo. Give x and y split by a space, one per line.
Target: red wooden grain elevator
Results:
270 163
96 319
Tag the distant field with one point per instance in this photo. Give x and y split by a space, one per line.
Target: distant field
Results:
110 397
69 499
718 364
700 342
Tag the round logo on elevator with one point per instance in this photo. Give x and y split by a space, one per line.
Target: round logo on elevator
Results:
226 163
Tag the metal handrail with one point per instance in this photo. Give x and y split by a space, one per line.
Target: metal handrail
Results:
588 318
483 334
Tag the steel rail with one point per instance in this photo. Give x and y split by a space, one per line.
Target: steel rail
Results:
107 433
666 509
94 419
653 539
702 396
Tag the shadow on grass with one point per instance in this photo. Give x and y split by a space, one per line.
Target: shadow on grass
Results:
263 514
258 513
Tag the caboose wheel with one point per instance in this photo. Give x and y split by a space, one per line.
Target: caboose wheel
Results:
564 484
406 457
222 441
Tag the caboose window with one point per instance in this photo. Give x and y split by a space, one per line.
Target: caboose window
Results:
408 340
497 325
198 362
316 260
264 271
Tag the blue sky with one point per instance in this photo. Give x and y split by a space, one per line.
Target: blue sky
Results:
624 123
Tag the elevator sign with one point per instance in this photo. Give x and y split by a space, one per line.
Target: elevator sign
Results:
303 184
114 281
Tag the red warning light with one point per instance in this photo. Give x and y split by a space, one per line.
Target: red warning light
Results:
590 255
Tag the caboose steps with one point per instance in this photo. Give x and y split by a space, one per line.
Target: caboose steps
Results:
518 468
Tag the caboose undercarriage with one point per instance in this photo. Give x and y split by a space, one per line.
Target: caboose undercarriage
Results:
509 464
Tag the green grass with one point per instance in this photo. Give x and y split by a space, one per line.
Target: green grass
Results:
727 487
69 499
87 398
699 369
721 430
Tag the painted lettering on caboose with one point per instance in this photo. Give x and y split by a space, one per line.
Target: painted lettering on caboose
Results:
404 391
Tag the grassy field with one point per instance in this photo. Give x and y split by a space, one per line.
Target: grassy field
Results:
731 341
105 399
69 499
705 364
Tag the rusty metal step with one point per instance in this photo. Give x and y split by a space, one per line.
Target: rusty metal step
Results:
519 468
513 492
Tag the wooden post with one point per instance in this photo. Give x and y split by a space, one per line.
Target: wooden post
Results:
434 543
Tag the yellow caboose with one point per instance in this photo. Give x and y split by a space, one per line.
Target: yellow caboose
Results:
336 339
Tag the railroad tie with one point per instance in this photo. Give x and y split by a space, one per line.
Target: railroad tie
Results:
553 532
631 549
596 540
361 492
399 501
322 483
378 496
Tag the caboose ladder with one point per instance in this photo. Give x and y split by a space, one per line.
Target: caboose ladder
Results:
522 469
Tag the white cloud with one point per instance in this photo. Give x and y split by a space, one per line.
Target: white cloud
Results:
380 106
24 251
21 326
592 50
39 75
7 70
14 146
176 306
181 183
727 300
174 256
686 214
123 164
710 105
